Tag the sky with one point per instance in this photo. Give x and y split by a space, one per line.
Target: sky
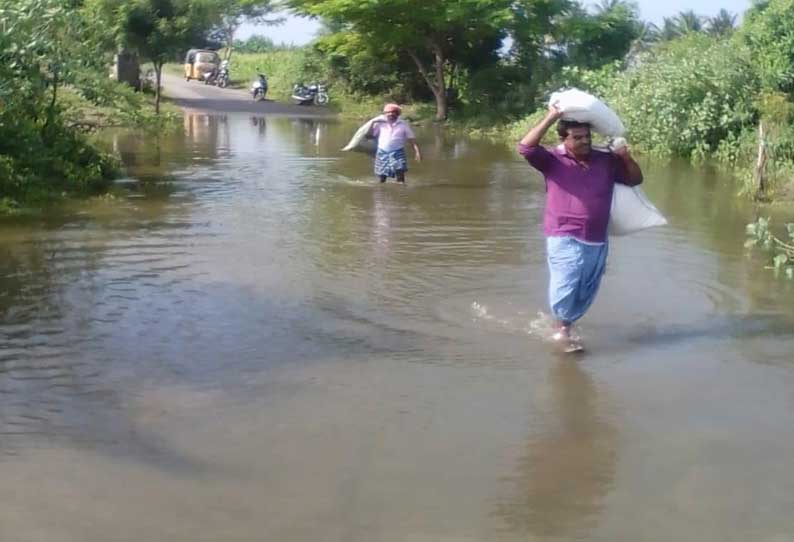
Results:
299 31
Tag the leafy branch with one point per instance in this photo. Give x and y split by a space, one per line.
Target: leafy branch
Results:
782 252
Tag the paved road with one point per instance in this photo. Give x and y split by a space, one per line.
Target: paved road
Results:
196 95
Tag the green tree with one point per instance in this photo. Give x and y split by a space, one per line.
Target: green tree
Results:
722 24
669 30
534 57
44 48
440 37
159 30
41 50
230 14
368 68
648 35
768 29
593 40
533 26
688 22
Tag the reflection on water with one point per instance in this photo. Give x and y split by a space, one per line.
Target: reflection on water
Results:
258 339
260 123
570 462
381 227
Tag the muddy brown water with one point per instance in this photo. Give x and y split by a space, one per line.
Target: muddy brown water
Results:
254 341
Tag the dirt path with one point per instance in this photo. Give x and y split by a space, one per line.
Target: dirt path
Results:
196 95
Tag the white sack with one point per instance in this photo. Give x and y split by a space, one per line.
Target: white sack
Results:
631 209
632 212
580 106
362 132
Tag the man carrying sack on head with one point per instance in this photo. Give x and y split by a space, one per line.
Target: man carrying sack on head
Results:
579 184
392 135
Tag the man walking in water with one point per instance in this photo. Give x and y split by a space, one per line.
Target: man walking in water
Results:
579 184
392 134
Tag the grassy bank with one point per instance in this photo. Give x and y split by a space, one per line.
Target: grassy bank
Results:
46 160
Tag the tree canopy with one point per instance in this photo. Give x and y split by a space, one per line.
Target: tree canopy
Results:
231 14
592 40
440 37
769 31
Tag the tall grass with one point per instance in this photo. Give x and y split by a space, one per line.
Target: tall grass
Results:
285 67
282 67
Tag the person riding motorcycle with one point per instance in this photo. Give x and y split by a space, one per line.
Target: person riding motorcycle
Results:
259 87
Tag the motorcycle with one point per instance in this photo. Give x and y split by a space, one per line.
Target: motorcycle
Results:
222 80
315 93
209 77
259 88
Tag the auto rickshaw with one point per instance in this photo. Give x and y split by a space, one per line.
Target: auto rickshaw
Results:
200 61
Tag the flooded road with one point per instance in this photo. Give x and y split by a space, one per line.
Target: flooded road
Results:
254 341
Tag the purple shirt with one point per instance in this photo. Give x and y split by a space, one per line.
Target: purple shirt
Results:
578 196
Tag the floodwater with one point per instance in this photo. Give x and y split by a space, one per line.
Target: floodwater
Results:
254 341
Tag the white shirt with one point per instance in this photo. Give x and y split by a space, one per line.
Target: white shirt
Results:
392 136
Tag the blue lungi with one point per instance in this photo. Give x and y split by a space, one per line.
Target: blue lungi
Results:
388 163
576 269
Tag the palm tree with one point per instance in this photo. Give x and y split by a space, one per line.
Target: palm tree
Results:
605 6
723 24
612 7
648 34
669 30
688 22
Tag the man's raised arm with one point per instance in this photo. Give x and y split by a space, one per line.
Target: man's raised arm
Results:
535 135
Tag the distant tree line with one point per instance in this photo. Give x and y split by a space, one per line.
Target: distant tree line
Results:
693 86
452 51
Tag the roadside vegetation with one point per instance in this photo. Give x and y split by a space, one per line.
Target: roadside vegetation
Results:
55 90
41 151
778 247
697 87
701 88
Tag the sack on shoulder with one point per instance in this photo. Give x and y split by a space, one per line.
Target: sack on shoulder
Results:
632 211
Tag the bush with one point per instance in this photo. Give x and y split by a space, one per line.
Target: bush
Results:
355 62
768 30
498 93
683 98
779 248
